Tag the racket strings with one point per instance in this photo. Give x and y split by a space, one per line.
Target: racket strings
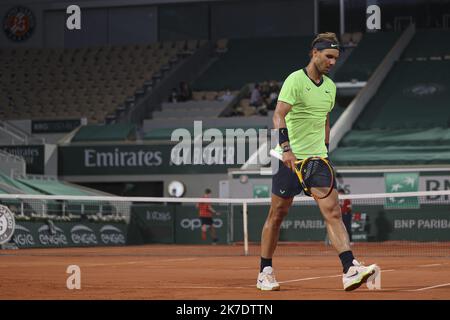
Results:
315 168
317 177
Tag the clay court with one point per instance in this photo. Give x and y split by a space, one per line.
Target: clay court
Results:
172 272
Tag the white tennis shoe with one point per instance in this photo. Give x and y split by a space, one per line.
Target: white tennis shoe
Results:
357 275
266 280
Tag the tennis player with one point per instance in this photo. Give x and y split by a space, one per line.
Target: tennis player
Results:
206 212
302 120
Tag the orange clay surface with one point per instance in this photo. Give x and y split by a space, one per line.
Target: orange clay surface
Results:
204 272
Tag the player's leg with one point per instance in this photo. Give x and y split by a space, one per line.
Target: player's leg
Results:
270 234
204 225
347 219
337 233
355 274
285 186
271 231
213 233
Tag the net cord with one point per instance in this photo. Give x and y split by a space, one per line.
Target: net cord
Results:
215 200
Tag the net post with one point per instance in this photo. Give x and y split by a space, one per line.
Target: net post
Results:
245 221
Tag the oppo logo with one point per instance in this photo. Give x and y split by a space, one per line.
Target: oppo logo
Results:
196 223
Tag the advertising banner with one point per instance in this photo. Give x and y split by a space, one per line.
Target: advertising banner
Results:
33 155
68 234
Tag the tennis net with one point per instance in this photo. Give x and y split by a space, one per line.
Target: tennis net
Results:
396 224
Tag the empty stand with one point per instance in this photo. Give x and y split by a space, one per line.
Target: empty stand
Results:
428 45
407 122
166 133
254 60
16 185
190 109
414 95
365 58
46 185
112 132
90 82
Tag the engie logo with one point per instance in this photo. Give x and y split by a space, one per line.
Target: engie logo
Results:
110 234
54 236
23 236
196 223
19 23
81 234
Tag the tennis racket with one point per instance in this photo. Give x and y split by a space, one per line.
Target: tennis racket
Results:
316 175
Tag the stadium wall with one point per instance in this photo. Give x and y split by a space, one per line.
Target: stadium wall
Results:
266 19
180 224
353 183
136 22
195 184
99 26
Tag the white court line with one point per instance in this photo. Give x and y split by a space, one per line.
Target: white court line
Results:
311 278
135 262
323 277
432 287
180 259
162 287
222 287
320 277
109 264
429 265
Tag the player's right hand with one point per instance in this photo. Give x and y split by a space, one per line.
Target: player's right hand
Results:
289 160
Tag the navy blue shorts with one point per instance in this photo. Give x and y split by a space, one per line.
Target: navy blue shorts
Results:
285 183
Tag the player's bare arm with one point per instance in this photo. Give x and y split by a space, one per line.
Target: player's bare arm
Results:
279 115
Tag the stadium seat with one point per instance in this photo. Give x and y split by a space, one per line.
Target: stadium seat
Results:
80 77
346 38
356 37
222 45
